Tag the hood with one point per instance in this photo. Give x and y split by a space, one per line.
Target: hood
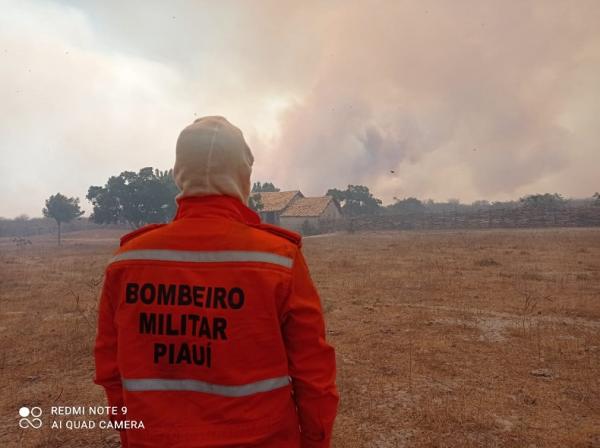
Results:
212 157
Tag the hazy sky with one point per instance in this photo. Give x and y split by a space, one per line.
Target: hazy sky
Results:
461 99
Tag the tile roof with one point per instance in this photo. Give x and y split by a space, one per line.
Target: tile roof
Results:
308 206
276 201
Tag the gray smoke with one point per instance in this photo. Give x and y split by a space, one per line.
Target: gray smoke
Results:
469 99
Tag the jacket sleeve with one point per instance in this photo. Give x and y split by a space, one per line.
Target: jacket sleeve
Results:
311 359
105 350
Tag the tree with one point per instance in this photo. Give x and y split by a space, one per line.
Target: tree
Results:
546 201
135 198
255 203
257 187
596 196
62 209
406 205
356 200
337 195
480 204
504 205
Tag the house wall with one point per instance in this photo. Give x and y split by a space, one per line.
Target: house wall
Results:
331 213
295 222
270 217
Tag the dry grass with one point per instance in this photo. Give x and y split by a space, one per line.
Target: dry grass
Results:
444 339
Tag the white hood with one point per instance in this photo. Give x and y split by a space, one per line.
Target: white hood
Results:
212 157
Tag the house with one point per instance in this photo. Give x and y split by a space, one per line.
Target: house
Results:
293 210
316 213
274 203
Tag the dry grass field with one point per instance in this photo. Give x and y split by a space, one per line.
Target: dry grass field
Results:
444 339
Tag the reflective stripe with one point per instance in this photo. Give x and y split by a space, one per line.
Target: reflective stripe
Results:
204 256
146 384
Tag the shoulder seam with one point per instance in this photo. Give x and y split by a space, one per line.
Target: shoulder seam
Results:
137 232
281 232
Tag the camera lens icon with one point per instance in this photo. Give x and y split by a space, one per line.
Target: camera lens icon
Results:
34 422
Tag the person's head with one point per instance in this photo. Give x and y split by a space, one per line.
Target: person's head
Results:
212 157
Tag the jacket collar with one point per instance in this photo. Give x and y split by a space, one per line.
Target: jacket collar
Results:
215 205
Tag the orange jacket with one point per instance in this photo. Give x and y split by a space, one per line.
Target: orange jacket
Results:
211 333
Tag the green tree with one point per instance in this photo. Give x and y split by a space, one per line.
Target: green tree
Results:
479 204
337 195
62 209
406 205
135 198
255 203
547 201
356 200
257 187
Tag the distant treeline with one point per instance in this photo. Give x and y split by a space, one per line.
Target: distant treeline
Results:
545 201
573 215
24 226
134 199
357 200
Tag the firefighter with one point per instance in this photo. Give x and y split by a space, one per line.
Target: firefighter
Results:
210 329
